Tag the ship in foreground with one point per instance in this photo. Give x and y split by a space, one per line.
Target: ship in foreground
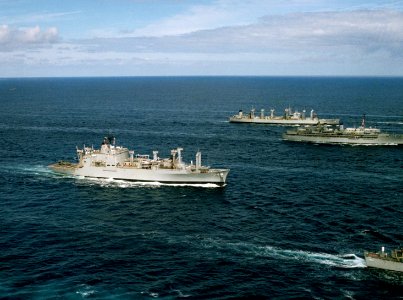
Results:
116 162
383 260
340 135
289 118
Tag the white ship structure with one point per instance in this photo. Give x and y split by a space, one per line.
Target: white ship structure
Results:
289 118
383 260
116 162
340 135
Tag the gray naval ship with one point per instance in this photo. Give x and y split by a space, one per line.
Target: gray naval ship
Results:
383 260
290 118
116 162
340 135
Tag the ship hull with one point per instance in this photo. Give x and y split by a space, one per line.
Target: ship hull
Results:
381 140
285 122
216 176
274 121
374 262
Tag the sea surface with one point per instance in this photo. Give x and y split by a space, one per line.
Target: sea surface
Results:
291 223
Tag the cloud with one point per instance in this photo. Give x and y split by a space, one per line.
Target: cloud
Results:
363 31
197 18
216 14
17 38
361 42
35 18
229 13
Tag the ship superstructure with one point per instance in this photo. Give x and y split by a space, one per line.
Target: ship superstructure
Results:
290 118
117 162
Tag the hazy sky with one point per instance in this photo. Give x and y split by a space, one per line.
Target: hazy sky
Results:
180 37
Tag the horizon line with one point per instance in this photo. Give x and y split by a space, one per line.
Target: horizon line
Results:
202 76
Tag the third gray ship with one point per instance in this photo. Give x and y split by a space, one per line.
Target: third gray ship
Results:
388 261
340 135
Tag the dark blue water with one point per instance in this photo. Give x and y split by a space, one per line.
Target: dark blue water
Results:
292 222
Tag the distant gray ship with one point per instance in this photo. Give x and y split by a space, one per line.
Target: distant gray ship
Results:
340 135
117 162
382 260
289 118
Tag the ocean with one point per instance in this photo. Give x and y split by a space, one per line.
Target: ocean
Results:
291 223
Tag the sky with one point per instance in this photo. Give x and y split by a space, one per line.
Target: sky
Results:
73 38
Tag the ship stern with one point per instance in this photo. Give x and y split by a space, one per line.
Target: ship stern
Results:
62 167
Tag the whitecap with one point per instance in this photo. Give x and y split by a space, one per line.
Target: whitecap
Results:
181 295
85 291
152 294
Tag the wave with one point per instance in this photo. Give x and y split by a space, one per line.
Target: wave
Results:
379 236
180 294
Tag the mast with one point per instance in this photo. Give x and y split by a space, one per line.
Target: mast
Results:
363 121
155 155
198 160
173 156
252 113
80 155
179 151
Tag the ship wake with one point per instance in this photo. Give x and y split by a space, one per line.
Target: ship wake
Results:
34 170
344 261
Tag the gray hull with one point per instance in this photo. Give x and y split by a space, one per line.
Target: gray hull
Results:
380 140
269 121
289 118
216 176
383 264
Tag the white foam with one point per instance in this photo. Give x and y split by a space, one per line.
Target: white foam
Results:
110 182
346 261
36 170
